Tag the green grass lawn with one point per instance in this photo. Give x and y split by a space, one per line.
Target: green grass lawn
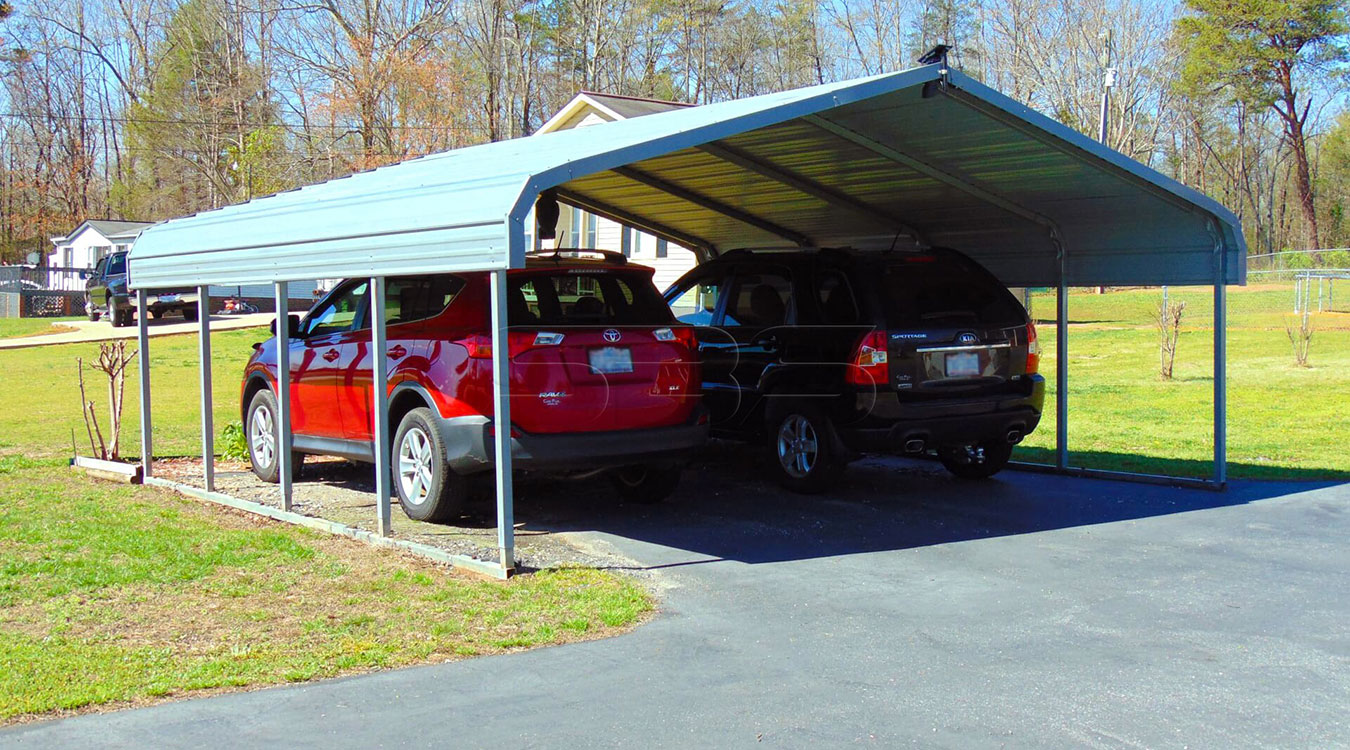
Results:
1284 421
116 593
14 327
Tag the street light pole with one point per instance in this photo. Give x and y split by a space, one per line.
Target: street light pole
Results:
1108 80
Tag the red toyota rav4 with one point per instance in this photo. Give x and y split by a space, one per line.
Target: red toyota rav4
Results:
603 380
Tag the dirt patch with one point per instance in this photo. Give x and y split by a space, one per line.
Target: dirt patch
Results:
344 491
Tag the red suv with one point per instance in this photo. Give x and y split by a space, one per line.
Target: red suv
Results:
603 380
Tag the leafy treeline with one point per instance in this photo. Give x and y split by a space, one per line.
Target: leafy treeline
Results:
147 109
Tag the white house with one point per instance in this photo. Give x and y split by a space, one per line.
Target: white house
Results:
92 240
578 228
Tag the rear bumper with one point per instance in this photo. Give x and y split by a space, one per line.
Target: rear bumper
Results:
889 429
470 442
157 302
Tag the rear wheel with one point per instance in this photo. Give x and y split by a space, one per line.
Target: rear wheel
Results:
121 317
189 314
428 489
264 438
156 314
645 484
804 450
977 461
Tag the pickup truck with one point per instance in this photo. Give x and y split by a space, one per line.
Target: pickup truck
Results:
106 293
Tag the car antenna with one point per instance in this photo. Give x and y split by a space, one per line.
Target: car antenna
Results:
894 240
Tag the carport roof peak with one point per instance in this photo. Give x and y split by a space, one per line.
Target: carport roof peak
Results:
943 159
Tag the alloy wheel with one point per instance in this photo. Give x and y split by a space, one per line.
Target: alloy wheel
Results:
262 436
798 446
414 466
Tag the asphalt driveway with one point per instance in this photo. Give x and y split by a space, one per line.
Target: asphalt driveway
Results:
908 610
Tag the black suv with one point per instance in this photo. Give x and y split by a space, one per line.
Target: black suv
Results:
106 293
830 353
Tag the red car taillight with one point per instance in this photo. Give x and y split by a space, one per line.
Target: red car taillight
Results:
869 364
1033 350
479 345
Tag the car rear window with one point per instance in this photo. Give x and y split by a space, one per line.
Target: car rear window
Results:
933 290
585 296
116 264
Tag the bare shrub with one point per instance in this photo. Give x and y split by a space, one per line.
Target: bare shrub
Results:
1300 337
112 361
1169 329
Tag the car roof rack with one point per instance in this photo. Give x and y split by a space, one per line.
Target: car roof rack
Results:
578 253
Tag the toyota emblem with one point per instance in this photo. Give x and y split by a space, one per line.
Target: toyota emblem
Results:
968 338
612 335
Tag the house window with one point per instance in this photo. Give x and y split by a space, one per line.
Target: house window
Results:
662 247
573 238
591 231
626 242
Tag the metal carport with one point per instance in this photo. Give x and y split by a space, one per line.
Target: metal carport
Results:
927 154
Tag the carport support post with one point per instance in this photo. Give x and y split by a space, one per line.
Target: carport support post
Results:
285 472
208 423
379 390
1062 366
1220 371
501 420
143 345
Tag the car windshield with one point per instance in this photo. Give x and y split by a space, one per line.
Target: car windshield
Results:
927 290
116 264
585 296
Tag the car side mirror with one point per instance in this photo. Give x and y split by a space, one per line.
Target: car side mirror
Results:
292 327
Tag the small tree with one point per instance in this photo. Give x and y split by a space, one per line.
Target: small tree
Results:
1300 337
112 361
1169 328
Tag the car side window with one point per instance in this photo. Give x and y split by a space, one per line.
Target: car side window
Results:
696 302
337 314
412 298
759 299
117 264
838 306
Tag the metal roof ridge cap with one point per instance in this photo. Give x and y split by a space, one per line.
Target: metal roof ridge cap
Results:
686 138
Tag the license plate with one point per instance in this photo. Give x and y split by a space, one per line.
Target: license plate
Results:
168 298
963 365
611 359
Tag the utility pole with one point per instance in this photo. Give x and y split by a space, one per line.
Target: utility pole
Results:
1108 80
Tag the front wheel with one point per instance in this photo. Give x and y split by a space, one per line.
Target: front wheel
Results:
645 484
978 461
428 489
804 450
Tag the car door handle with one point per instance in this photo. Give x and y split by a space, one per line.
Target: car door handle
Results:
330 355
396 351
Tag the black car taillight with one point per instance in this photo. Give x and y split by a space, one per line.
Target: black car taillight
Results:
1033 350
869 364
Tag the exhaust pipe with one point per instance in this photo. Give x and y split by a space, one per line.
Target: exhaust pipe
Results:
914 446
1014 437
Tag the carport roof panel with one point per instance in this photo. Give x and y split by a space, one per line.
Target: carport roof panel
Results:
964 166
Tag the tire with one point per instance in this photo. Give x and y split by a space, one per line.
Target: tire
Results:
427 488
645 484
92 312
263 435
157 314
803 449
121 318
979 461
189 314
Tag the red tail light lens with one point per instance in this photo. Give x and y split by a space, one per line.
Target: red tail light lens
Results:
683 334
1033 350
870 366
479 345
